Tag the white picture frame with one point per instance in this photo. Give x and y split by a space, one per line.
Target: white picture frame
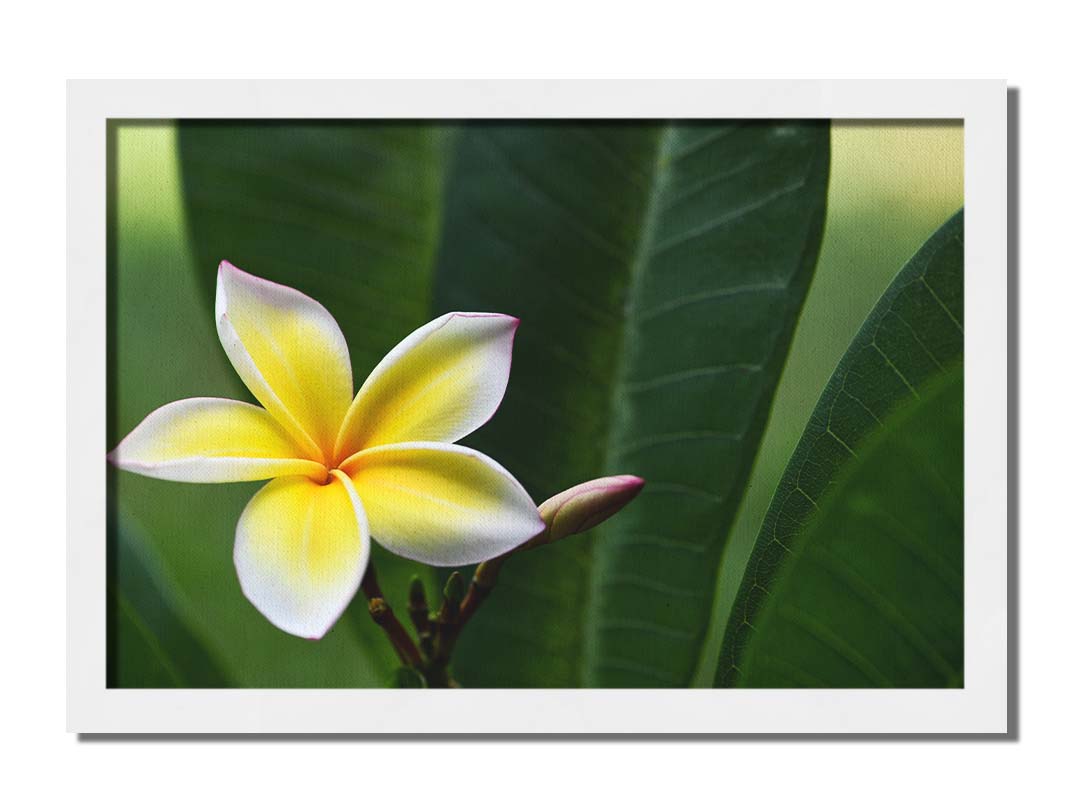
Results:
980 707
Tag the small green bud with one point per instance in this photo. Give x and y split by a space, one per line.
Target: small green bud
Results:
417 593
454 589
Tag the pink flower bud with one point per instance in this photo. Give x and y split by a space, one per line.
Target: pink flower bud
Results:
588 504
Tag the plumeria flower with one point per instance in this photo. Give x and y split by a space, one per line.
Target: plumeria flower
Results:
342 469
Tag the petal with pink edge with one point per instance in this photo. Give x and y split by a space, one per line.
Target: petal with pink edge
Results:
290 353
301 551
442 382
442 504
211 440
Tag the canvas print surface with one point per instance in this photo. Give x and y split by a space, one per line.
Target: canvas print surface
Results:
535 404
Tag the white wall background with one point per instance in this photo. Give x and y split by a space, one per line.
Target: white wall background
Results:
43 45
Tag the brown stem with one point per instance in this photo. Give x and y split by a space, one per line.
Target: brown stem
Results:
419 613
458 608
448 624
370 585
582 506
417 608
485 577
481 585
383 615
476 595
437 634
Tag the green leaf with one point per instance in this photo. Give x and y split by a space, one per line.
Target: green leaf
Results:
876 426
408 678
346 212
149 645
162 347
891 186
658 270
873 593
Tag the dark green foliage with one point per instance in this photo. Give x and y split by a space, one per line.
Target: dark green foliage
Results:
658 271
348 213
148 644
873 593
912 338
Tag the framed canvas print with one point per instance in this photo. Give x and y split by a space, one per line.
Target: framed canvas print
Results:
538 407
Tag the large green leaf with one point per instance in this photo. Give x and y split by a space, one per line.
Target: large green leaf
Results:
658 270
912 338
891 186
149 644
346 212
163 346
873 593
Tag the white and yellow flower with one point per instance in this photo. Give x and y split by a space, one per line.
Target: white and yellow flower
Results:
342 469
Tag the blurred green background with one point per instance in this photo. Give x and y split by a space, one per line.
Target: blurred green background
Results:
891 186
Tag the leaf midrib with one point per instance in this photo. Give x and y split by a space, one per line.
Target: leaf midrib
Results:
660 176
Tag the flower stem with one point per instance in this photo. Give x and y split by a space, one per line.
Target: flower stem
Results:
437 633
448 619
383 615
419 613
481 585
574 511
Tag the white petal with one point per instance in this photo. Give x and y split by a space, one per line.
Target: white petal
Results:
301 551
442 504
439 384
211 440
290 353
